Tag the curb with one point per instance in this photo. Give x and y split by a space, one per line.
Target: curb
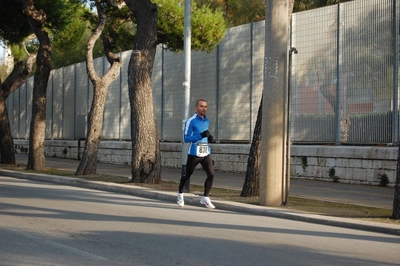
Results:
191 199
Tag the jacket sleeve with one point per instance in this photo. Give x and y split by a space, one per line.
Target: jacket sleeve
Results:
190 135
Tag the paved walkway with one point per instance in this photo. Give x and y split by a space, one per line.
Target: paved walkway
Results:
329 191
364 195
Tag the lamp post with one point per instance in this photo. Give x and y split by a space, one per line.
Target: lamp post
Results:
274 113
286 184
186 84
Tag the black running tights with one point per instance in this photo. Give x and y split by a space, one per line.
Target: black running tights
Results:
191 164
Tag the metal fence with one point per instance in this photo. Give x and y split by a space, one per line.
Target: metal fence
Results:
345 76
344 83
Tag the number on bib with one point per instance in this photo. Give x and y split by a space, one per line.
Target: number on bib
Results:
202 149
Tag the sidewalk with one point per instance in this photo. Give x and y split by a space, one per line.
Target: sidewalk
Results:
374 196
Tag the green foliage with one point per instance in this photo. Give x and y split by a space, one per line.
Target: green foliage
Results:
21 148
170 23
63 23
363 127
17 52
238 12
70 26
383 180
14 26
127 30
332 175
208 26
332 172
58 13
3 73
208 29
70 43
120 28
304 163
302 5
70 36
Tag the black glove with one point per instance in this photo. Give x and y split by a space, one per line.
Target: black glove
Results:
211 139
205 134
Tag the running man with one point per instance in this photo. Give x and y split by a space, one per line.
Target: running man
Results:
196 133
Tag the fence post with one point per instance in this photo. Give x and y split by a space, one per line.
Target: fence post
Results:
120 101
52 106
338 108
395 121
251 128
162 93
74 110
218 100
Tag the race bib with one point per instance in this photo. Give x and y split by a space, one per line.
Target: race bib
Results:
202 149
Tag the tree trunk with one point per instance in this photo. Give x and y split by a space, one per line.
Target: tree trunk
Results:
251 186
396 201
6 141
146 164
36 18
17 77
88 164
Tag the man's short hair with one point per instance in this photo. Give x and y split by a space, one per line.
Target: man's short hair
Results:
200 100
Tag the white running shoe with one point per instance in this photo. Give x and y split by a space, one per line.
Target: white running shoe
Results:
180 200
206 201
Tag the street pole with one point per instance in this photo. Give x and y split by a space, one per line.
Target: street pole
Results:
186 84
274 111
286 184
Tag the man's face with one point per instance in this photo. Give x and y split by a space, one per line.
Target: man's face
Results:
201 108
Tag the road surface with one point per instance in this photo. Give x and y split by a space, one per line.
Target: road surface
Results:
53 224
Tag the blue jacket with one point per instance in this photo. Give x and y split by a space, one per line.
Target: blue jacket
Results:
194 126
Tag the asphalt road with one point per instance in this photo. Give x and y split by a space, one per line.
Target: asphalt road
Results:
53 224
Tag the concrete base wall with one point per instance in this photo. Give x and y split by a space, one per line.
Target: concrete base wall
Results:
351 164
